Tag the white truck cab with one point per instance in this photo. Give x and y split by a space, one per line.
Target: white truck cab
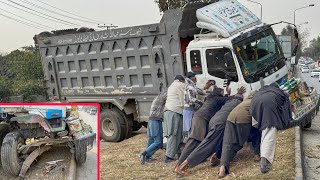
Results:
242 49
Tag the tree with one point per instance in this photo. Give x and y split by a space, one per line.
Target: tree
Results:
22 73
5 89
174 4
288 31
313 50
25 63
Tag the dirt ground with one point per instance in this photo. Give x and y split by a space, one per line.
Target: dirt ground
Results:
120 161
37 169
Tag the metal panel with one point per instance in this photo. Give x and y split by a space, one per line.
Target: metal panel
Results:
120 63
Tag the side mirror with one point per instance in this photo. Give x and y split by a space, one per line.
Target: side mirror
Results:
294 52
296 34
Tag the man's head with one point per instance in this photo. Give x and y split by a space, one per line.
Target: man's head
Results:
218 91
180 78
191 76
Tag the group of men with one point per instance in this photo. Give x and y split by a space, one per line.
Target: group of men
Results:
218 125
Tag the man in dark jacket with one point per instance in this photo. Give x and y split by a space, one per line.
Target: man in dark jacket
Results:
213 141
200 121
270 107
236 133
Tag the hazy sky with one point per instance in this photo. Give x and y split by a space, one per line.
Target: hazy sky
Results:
123 13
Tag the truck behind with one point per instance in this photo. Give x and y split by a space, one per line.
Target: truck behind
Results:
124 69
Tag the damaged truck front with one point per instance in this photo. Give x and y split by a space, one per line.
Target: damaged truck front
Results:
124 69
26 133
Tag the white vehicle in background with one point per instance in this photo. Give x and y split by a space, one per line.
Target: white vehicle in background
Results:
315 72
304 69
93 111
303 66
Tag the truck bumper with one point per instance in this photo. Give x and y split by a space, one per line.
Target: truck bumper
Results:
86 141
307 117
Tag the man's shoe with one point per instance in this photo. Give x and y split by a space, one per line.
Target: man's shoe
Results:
168 160
148 160
265 165
142 158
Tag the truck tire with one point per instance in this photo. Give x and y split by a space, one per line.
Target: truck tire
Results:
129 121
80 152
136 126
112 126
309 120
11 162
308 125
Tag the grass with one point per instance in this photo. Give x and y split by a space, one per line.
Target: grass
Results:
120 161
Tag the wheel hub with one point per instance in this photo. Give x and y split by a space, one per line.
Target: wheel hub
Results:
107 127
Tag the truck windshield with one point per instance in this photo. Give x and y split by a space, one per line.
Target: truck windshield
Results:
259 56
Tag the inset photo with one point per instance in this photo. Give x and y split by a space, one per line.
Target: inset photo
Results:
53 141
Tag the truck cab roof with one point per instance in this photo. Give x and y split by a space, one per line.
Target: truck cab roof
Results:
216 40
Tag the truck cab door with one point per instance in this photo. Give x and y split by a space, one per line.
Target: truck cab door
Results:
220 66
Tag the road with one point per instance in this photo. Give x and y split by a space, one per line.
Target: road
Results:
310 137
89 169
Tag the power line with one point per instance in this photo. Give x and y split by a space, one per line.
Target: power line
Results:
22 22
54 12
26 19
43 13
34 14
69 12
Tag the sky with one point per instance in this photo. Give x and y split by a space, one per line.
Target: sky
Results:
124 13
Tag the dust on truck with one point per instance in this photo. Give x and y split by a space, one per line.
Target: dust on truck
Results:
124 69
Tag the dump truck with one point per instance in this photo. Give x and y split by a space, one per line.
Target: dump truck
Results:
28 131
123 69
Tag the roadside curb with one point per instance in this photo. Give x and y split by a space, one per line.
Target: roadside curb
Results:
72 168
299 175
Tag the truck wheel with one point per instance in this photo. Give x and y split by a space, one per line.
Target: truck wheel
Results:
309 120
136 126
308 125
11 162
128 120
112 126
80 152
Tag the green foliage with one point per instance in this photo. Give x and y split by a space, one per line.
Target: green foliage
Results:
5 89
174 4
28 87
313 50
22 73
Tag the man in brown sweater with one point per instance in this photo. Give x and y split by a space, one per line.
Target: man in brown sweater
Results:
237 131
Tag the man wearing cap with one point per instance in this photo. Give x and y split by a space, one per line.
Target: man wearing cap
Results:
172 118
191 101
